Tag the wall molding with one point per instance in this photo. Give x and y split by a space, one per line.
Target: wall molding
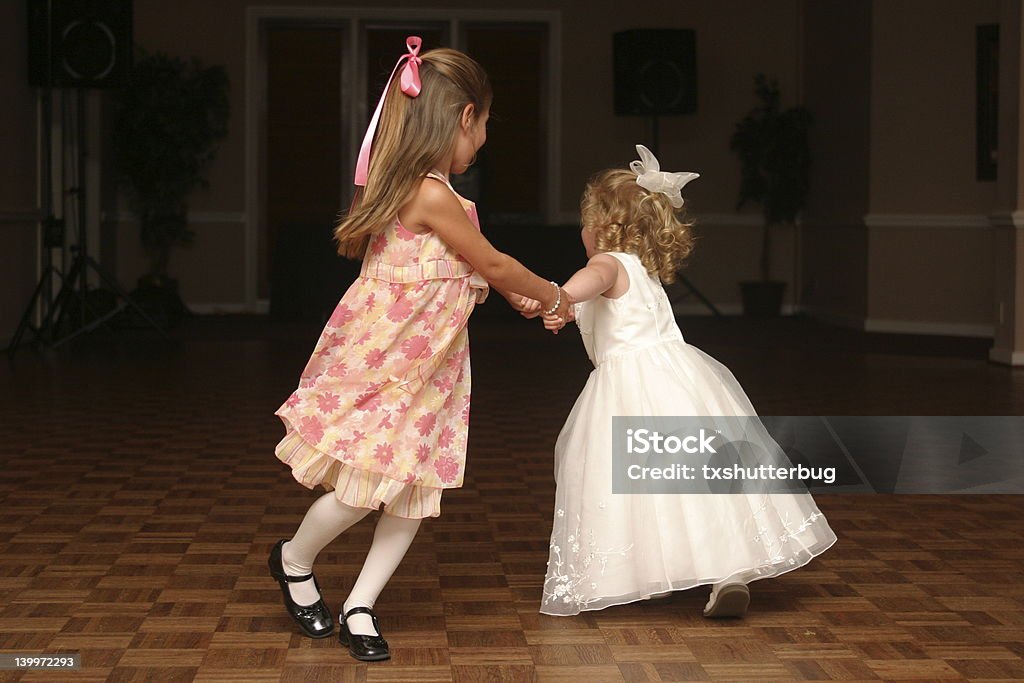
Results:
926 220
929 327
193 217
742 220
1006 356
262 307
20 215
897 326
1007 219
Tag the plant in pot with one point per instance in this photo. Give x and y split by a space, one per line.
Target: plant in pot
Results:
171 116
774 151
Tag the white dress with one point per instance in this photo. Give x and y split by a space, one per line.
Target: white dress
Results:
609 549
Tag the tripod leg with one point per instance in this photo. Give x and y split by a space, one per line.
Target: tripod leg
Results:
26 317
51 325
111 283
704 299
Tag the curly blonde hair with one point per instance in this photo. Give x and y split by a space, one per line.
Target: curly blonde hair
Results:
625 217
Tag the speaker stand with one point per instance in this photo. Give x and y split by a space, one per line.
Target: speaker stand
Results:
74 284
682 278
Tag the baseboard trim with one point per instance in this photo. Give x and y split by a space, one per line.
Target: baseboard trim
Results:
1006 357
894 326
228 307
926 220
697 308
926 327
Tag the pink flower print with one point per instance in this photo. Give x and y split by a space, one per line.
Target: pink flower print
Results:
400 310
424 319
409 478
446 468
396 289
375 358
368 402
416 347
357 436
379 242
342 314
405 233
422 453
337 370
448 401
371 300
441 305
465 413
292 401
385 422
326 351
422 284
311 428
327 402
364 338
444 383
426 423
402 409
445 439
384 454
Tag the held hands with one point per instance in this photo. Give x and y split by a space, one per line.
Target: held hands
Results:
527 307
558 318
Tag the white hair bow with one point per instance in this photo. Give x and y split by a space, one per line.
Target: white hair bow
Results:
650 177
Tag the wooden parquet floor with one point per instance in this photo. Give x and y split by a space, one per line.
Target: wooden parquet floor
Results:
140 497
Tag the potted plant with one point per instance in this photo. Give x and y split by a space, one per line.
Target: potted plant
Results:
774 152
171 116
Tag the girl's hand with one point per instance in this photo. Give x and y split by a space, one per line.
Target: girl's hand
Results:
521 303
561 314
553 322
529 308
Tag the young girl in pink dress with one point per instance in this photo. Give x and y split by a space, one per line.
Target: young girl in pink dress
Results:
381 413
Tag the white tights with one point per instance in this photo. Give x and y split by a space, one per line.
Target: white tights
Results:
326 519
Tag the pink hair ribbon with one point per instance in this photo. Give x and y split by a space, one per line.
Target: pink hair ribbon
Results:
410 85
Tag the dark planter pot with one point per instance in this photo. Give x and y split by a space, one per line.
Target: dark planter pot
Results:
161 301
762 299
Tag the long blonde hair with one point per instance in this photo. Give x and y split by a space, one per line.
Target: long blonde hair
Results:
625 217
414 134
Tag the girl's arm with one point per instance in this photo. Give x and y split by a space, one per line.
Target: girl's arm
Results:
434 207
594 279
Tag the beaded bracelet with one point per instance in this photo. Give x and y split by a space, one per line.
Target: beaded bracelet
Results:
558 299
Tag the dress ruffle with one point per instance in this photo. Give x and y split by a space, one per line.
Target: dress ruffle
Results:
356 487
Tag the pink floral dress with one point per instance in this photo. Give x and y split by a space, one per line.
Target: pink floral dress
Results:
381 413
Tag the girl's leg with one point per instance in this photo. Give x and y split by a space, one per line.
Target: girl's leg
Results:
391 540
326 519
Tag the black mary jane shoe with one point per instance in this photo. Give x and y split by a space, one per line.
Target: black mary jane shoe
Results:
363 648
315 620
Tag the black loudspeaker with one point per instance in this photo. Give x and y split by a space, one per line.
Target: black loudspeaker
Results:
655 72
79 43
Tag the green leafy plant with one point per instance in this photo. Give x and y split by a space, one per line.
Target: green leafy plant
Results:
171 116
774 152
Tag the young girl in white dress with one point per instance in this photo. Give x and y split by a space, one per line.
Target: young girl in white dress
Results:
608 549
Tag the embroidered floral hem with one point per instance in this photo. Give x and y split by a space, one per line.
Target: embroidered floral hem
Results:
354 486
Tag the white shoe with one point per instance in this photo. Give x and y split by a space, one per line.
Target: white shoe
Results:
729 600
658 596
